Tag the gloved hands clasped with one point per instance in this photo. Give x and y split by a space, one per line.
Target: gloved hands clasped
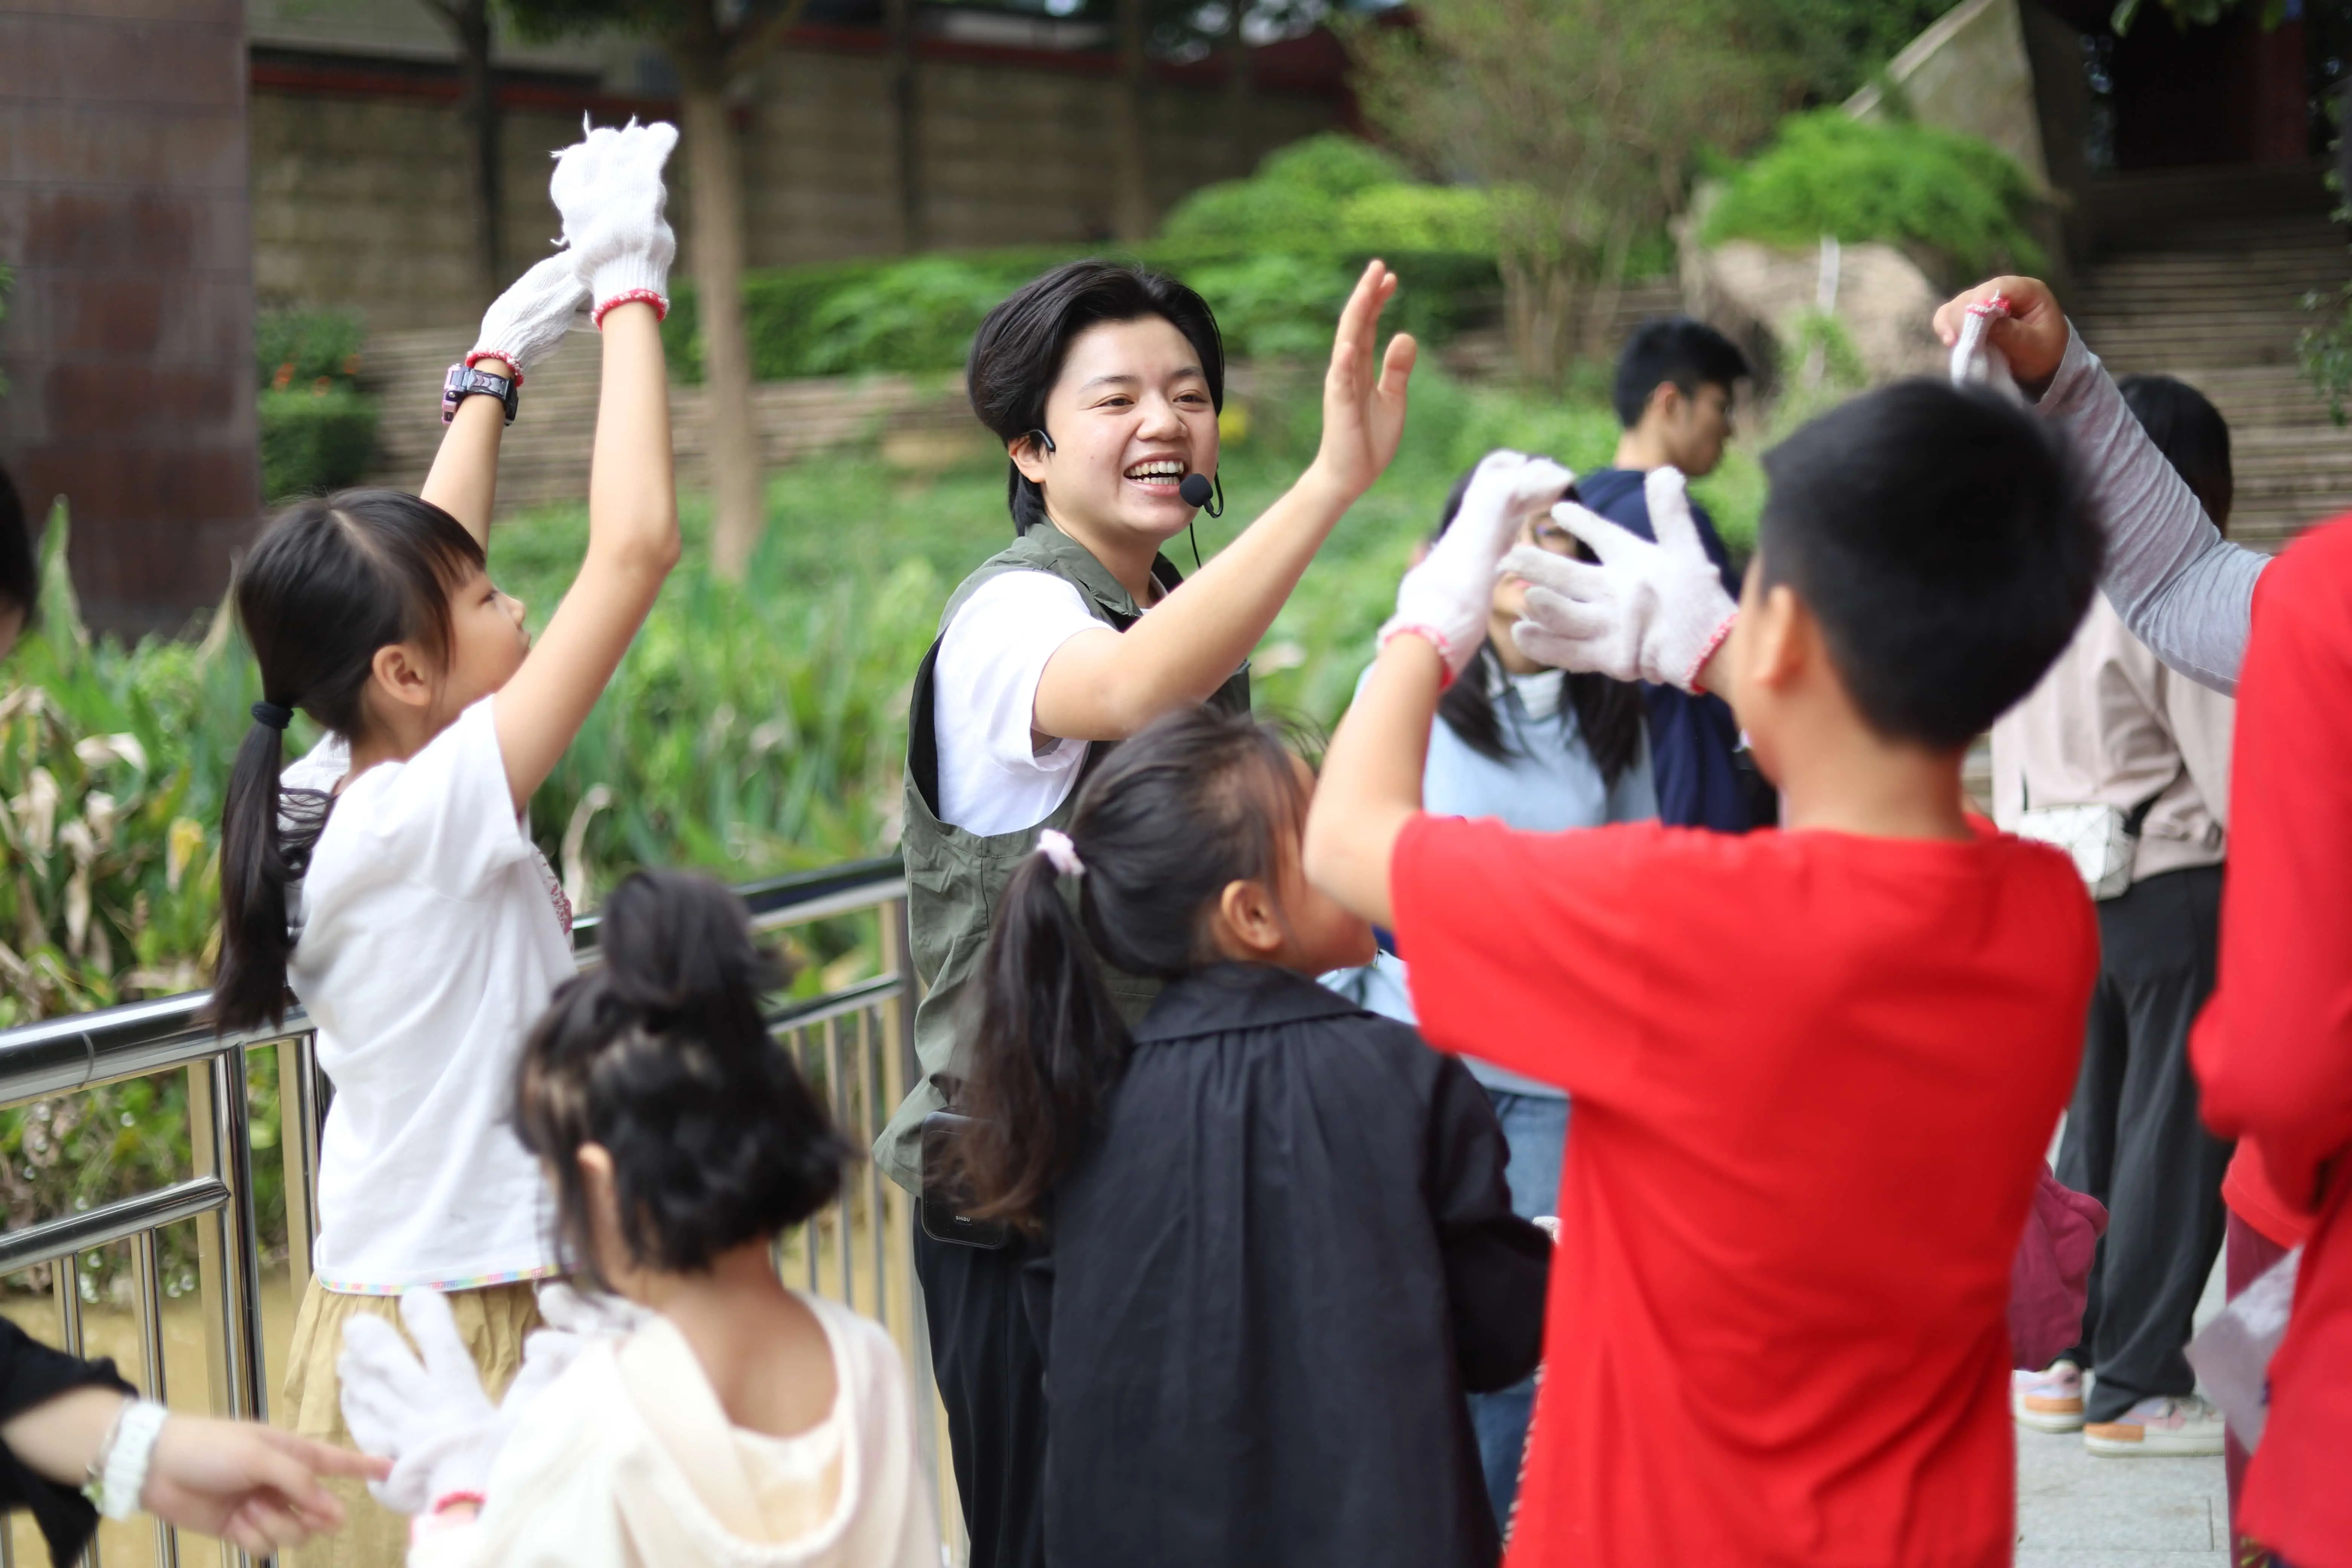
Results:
617 246
1448 597
1644 611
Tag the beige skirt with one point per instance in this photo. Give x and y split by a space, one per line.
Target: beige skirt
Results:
493 1321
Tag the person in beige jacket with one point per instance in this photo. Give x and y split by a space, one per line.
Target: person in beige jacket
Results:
2111 726
686 1410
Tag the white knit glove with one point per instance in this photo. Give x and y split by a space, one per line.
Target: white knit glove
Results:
431 1418
524 324
1975 361
608 186
1647 612
1450 595
590 1315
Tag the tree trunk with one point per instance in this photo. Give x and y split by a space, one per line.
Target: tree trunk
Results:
1600 310
1240 106
1130 201
737 514
905 105
478 107
1537 293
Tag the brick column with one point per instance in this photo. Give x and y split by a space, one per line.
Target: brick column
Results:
127 344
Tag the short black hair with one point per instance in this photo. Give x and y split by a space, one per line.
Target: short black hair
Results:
20 569
2192 436
1942 540
661 1056
1688 353
1017 354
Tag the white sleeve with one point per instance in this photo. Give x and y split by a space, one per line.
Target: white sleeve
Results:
984 684
2182 589
447 815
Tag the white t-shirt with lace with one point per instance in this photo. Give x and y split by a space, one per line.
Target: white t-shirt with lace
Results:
433 934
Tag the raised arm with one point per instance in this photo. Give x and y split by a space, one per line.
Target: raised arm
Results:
1370 784
522 327
2181 588
612 202
1104 685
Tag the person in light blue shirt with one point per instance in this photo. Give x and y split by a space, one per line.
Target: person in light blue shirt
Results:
1540 749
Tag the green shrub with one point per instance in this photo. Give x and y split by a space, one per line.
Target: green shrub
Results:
300 349
315 440
1899 182
1459 218
1295 201
919 315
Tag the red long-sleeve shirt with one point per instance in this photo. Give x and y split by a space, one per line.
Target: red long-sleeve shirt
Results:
2273 1050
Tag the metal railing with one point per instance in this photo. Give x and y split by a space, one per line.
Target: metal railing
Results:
852 1043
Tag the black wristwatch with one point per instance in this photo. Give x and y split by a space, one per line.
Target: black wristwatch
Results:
463 382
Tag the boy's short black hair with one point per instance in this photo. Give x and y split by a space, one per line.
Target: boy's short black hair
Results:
20 570
2192 436
1942 540
1688 353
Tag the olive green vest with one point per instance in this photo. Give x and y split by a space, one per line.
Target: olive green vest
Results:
954 878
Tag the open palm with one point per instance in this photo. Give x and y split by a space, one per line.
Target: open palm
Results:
1363 392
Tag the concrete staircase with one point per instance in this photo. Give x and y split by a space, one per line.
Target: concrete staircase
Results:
2201 274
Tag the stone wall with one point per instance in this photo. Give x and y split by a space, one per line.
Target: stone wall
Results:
362 191
127 345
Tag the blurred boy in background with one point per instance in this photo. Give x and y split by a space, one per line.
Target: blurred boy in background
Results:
1676 380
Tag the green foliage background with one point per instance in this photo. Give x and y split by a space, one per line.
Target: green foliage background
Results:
318 429
1953 195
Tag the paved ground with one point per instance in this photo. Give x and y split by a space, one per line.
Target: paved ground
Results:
2075 1510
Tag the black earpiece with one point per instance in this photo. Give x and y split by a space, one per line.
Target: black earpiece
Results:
1043 440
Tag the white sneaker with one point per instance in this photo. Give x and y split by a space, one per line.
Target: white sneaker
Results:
2159 1425
2050 1400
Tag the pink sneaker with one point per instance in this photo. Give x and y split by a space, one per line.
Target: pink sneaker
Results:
2050 1400
2159 1424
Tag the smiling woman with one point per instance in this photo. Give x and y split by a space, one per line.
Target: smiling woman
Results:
1104 382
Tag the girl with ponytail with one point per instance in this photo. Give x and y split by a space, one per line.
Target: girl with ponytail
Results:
1270 1242
704 1414
389 875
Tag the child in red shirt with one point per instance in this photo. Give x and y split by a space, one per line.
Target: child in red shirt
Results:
1814 1071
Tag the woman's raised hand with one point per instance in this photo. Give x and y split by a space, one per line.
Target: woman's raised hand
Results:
2032 337
1363 392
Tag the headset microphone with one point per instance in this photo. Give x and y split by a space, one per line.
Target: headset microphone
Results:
1194 490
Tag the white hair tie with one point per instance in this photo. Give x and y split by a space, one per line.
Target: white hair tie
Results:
1055 846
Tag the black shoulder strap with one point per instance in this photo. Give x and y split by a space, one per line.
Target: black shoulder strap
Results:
922 738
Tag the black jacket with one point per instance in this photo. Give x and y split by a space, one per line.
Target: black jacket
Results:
1270 1283
32 1374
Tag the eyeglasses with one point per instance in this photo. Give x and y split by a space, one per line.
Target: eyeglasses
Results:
1551 536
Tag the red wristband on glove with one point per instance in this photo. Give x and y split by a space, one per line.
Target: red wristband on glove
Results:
631 296
1707 652
1429 634
513 370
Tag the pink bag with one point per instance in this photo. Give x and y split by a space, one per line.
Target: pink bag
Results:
2049 1280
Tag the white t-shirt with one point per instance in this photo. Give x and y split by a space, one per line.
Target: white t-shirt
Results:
432 936
992 777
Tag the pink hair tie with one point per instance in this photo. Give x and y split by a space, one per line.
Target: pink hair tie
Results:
1056 847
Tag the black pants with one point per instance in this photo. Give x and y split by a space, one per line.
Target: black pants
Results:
992 1382
2134 1140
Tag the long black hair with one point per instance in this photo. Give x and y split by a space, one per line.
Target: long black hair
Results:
660 1055
330 582
1608 712
1190 803
2192 436
1016 355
